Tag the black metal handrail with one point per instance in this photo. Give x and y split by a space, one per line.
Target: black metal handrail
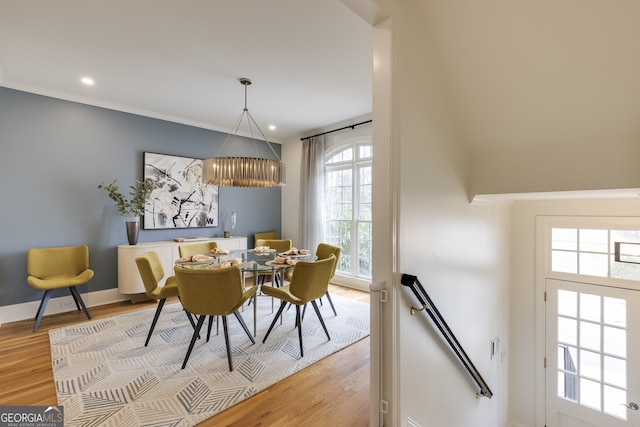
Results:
414 284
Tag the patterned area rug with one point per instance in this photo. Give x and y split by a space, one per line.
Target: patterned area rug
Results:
104 375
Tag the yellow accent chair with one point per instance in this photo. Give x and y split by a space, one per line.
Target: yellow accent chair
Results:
310 282
196 248
213 292
280 245
151 273
324 251
258 238
60 267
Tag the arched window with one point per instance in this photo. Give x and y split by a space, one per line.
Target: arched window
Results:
348 205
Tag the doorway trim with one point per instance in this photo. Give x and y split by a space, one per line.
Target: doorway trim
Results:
542 251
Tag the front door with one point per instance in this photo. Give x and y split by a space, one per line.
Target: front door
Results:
592 355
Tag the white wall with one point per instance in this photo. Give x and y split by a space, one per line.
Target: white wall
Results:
523 400
460 252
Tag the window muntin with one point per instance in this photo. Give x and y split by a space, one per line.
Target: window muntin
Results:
592 351
348 198
592 252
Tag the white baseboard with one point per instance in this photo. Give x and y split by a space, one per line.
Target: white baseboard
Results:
27 310
351 282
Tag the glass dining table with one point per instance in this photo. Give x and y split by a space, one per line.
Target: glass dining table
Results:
254 263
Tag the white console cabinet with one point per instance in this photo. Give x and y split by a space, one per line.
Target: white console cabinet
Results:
129 281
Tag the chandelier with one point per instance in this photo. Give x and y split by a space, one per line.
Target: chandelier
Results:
244 171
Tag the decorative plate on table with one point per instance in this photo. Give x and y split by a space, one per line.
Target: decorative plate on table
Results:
194 262
273 264
217 252
284 254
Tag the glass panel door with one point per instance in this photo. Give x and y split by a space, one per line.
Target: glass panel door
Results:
592 354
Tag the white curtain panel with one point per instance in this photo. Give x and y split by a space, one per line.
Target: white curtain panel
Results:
312 189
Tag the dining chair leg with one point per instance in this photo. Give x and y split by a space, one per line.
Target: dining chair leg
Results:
259 281
315 307
189 316
226 341
304 310
193 324
275 319
299 324
78 299
195 336
155 320
331 303
244 326
74 298
43 305
209 328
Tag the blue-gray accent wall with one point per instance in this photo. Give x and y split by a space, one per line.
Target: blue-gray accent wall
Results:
54 154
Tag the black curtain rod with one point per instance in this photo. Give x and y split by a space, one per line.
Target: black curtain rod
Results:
336 130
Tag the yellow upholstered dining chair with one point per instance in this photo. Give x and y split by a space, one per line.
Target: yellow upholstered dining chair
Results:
258 238
55 268
324 251
196 248
151 273
213 292
310 282
280 245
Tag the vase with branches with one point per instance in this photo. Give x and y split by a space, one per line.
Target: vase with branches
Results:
130 208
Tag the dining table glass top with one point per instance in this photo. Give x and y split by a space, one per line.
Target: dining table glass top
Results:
250 259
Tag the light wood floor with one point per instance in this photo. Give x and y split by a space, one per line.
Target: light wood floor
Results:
334 391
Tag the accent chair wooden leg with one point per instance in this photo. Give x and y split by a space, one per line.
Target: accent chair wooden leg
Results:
78 299
41 308
275 319
196 335
209 327
331 303
299 323
226 341
315 307
244 326
155 320
193 324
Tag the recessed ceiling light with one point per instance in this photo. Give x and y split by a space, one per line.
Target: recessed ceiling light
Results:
272 127
87 81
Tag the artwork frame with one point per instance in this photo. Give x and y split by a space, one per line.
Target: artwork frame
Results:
180 199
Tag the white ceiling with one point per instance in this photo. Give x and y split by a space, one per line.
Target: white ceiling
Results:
518 72
309 60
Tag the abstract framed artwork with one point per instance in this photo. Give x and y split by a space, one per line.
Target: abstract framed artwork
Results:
180 199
